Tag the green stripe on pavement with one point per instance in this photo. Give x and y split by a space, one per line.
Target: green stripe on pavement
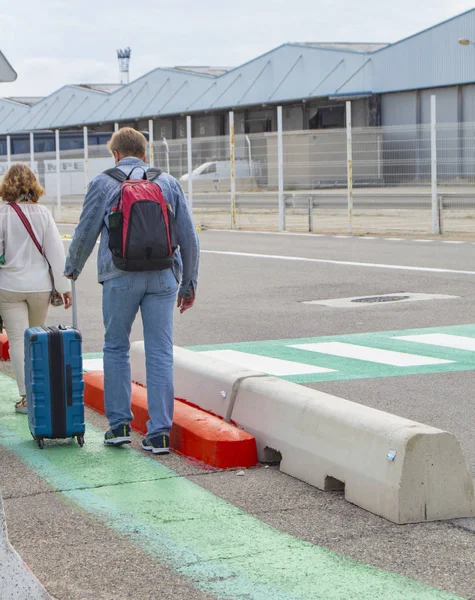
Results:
220 548
348 368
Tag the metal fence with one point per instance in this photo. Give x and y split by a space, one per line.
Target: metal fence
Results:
414 178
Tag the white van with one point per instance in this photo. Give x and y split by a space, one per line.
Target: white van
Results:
219 169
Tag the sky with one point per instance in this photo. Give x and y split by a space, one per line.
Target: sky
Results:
51 43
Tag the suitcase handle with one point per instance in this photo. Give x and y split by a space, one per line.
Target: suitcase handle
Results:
75 305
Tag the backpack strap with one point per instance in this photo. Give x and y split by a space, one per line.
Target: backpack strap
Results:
153 173
116 174
120 176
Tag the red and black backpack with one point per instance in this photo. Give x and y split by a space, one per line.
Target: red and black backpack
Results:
142 231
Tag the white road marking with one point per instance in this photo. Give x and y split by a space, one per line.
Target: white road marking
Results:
423 241
273 366
340 262
452 242
394 239
376 355
291 233
93 364
459 342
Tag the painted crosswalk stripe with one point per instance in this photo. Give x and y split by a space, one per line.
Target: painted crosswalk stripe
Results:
376 355
265 364
93 364
459 342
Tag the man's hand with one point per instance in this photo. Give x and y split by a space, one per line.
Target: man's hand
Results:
68 300
186 302
70 276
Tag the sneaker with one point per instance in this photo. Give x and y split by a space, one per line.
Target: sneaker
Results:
117 436
158 444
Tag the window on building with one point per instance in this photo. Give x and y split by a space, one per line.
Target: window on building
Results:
328 117
202 129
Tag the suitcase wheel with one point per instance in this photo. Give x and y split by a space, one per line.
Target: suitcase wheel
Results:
40 442
80 439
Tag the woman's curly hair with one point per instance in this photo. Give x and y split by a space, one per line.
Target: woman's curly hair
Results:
20 182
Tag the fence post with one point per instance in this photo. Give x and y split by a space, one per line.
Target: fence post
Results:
233 169
249 150
9 152
349 161
116 127
32 151
280 169
150 142
86 157
433 172
58 176
190 162
167 151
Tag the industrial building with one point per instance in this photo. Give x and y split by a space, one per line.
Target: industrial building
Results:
388 84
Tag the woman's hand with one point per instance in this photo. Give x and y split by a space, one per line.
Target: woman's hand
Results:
68 300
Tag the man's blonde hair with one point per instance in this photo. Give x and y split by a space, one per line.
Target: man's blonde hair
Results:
128 142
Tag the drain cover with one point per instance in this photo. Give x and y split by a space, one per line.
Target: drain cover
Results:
373 299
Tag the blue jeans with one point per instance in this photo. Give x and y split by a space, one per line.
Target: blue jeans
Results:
154 292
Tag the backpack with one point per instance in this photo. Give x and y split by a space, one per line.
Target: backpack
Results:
142 230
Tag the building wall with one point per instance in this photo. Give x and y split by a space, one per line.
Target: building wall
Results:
411 108
399 109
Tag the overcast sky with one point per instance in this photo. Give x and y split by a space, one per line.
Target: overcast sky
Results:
51 43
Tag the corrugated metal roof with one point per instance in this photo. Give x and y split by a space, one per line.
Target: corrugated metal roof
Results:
101 87
163 91
69 103
11 112
286 73
350 46
214 71
28 100
432 58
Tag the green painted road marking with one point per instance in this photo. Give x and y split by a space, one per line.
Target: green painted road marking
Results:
348 368
220 548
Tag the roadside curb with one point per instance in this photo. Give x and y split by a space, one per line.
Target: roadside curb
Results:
195 433
17 582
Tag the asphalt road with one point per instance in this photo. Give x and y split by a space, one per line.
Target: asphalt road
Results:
250 296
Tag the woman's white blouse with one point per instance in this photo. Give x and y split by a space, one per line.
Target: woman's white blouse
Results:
25 270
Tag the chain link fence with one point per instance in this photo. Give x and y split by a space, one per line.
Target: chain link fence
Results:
392 176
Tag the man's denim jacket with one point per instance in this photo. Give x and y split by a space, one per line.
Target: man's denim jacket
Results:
94 221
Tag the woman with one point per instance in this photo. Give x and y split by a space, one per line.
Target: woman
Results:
26 284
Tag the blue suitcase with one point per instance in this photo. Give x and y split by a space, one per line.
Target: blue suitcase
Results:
54 382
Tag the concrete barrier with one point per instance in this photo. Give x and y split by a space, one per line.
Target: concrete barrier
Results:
17 582
191 370
194 433
399 469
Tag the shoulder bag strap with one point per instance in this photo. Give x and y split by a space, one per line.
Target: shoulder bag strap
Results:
24 219
28 227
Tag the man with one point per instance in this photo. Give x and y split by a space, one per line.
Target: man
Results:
124 292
